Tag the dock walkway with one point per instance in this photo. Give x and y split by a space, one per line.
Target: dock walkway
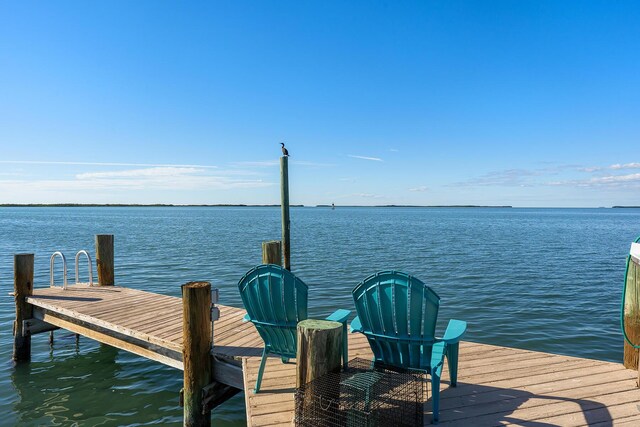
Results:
496 385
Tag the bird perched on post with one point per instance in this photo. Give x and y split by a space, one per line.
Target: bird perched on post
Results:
284 150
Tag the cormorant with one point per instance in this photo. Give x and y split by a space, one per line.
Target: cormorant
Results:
284 150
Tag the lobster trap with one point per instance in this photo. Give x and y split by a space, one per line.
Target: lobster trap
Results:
363 395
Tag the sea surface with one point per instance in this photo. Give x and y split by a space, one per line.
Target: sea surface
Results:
541 279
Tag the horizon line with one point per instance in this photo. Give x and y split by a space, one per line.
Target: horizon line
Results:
9 205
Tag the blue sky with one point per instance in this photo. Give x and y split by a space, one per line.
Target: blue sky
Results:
524 103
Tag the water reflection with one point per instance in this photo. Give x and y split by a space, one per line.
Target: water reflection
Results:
101 386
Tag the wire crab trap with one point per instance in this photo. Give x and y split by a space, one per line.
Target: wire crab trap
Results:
363 395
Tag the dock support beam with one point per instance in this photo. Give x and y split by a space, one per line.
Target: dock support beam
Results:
22 288
196 329
272 252
286 225
104 259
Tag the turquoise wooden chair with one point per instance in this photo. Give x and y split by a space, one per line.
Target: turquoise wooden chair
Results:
397 313
276 300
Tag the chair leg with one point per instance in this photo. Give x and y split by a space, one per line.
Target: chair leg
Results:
284 359
435 397
452 362
260 371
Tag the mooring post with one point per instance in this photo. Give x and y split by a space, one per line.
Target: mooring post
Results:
631 311
22 288
319 352
196 329
286 226
272 252
319 349
104 259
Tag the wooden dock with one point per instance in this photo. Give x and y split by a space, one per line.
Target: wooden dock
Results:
112 315
496 385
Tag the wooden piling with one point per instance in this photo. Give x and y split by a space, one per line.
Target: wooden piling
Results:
286 226
272 252
319 349
632 316
630 354
104 259
196 329
22 288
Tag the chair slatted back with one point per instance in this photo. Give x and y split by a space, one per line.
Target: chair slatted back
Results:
398 313
275 300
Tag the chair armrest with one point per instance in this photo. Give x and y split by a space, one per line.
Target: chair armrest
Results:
455 331
246 318
339 316
356 326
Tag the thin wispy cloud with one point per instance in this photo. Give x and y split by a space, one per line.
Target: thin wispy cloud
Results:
169 178
258 164
276 162
590 169
375 159
182 178
609 180
617 166
507 178
44 162
156 183
168 171
367 195
419 189
570 177
625 166
393 150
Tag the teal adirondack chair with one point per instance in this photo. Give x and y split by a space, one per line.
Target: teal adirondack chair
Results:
397 313
276 300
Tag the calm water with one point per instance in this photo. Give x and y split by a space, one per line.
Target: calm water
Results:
543 279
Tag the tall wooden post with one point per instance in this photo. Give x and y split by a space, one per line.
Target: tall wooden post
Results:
22 288
272 252
286 226
632 315
104 259
196 329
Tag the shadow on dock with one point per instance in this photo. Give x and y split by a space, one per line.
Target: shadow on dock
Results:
69 298
239 351
490 406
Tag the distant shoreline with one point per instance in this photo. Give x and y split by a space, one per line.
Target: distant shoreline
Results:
225 205
160 205
412 206
127 205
